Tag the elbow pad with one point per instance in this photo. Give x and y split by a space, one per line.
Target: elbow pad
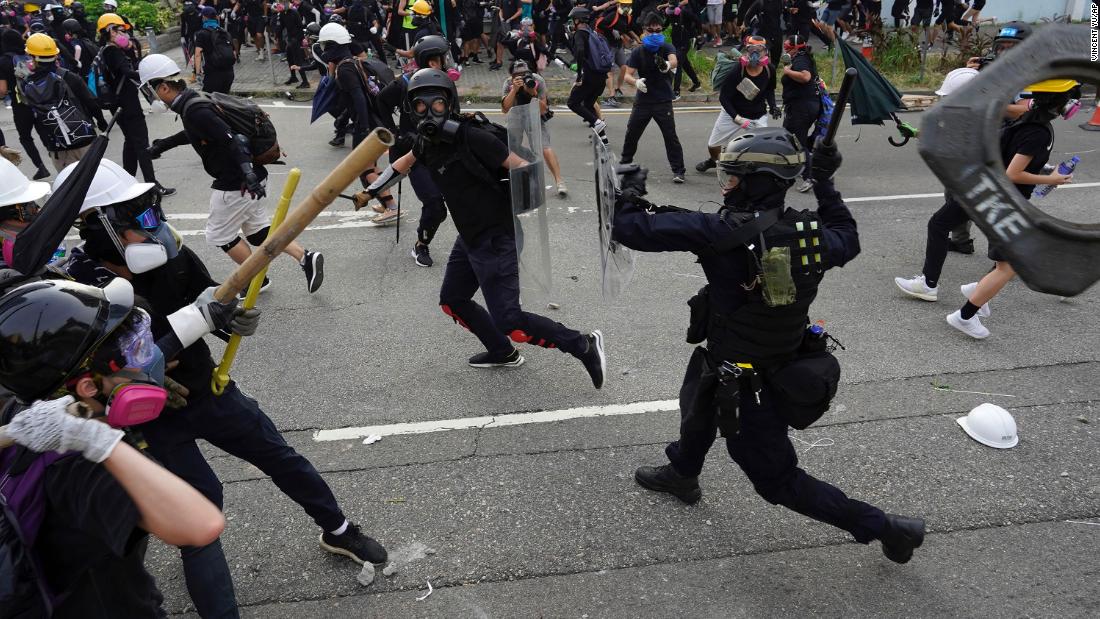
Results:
388 178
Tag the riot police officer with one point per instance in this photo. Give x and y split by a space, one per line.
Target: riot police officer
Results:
762 369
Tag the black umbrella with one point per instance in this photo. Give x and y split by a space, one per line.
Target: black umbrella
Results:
874 98
36 244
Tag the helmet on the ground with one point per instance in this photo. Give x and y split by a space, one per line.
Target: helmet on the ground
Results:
771 150
990 425
51 328
955 80
108 19
42 46
157 67
428 47
580 13
1010 35
334 33
422 8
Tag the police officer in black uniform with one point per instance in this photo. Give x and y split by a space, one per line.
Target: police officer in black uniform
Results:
466 160
762 369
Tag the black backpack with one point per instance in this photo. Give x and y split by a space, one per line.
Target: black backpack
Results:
472 163
244 117
61 122
220 56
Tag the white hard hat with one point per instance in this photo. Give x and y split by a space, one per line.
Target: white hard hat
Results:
157 66
335 33
955 80
111 185
113 3
16 188
990 425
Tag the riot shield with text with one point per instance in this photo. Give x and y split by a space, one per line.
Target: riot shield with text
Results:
529 212
616 260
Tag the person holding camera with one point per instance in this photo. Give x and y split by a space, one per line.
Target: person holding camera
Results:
649 70
523 87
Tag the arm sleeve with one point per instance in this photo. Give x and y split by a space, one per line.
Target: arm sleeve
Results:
839 227
209 127
352 86
88 497
174 140
667 231
119 66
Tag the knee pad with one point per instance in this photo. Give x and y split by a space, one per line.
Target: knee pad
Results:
520 337
454 316
230 245
257 238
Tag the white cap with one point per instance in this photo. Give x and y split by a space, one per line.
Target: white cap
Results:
16 188
335 33
955 80
113 3
111 185
990 425
157 66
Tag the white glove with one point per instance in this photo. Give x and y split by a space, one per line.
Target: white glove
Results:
374 29
191 322
640 85
48 426
744 123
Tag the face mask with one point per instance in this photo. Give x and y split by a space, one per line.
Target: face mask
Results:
454 74
144 257
755 59
121 40
1071 108
158 106
652 42
8 250
134 404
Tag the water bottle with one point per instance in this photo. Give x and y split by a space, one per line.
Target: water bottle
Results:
1064 168
58 254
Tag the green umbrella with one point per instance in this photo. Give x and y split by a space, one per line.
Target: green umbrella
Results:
874 98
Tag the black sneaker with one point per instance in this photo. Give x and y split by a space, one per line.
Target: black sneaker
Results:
901 536
706 164
290 80
962 247
263 288
313 265
303 86
354 545
666 479
695 86
338 141
488 360
594 359
41 173
165 191
420 253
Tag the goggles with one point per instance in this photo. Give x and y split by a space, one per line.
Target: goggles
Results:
25 212
436 105
140 213
757 48
137 347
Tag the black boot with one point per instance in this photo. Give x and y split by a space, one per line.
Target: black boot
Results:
901 535
41 173
290 80
666 479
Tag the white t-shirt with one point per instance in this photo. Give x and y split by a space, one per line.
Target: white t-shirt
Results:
715 2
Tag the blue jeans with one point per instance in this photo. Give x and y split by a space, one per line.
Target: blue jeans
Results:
763 451
234 423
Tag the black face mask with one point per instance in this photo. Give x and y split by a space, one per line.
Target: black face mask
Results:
757 192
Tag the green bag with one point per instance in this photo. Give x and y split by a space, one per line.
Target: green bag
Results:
779 288
724 64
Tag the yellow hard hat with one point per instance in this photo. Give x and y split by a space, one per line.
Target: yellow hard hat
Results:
421 7
108 19
31 7
1059 84
41 45
626 1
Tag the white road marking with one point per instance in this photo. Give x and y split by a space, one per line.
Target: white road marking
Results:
496 110
496 421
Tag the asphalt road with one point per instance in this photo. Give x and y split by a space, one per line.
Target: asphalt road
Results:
544 519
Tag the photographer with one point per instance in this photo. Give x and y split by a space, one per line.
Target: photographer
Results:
521 88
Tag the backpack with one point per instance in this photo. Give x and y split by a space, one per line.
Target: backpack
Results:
61 122
22 66
244 117
600 59
826 114
723 66
88 49
220 55
101 89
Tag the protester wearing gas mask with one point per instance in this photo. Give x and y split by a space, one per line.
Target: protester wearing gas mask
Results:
75 357
125 235
20 202
762 369
239 183
466 161
650 70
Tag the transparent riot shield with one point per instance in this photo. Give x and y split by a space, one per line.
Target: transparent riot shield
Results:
616 261
529 212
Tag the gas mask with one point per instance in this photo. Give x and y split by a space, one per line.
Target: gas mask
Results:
17 216
143 215
433 115
755 56
136 357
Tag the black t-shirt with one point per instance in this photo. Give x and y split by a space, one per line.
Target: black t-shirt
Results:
91 546
475 208
1030 138
735 103
797 91
658 85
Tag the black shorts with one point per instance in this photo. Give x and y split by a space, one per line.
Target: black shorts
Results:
921 18
256 24
977 5
729 12
472 29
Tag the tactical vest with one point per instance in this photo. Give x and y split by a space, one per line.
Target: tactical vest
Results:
770 335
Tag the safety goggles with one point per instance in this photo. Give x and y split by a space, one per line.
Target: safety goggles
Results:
136 345
756 48
25 212
437 105
140 213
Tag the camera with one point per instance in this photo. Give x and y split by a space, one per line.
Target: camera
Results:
529 80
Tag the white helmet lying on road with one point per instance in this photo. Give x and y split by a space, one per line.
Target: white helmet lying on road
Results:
990 425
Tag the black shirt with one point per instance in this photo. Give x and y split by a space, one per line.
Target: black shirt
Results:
797 91
91 546
120 72
735 103
658 85
475 208
1033 139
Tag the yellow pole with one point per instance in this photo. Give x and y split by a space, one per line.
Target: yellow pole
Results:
220 379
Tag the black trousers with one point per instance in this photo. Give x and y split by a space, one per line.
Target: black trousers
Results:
799 117
582 99
217 81
135 145
764 452
661 112
433 209
950 216
491 265
24 125
683 64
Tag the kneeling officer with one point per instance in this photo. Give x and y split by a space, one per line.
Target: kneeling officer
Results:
762 369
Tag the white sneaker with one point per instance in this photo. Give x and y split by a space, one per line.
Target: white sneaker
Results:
967 290
915 287
562 190
972 327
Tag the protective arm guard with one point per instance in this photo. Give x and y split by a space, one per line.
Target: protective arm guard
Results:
388 178
243 151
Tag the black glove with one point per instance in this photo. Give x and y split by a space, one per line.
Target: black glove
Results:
218 316
252 186
245 321
155 149
774 110
632 180
825 161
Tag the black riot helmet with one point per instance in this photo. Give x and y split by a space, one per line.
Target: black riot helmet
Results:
432 101
1009 36
429 47
51 328
77 8
336 18
580 13
313 29
771 150
72 26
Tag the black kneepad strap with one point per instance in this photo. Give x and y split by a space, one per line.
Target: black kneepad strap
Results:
257 238
230 245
